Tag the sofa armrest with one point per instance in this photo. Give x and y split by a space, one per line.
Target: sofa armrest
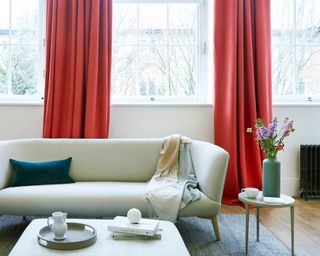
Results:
210 164
5 170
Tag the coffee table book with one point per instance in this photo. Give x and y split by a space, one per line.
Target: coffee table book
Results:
127 236
145 227
273 200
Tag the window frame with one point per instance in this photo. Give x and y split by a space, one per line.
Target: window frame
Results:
39 96
294 99
203 96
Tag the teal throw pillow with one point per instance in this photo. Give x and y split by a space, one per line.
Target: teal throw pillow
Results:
29 173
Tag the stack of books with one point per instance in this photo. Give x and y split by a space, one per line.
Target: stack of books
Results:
123 229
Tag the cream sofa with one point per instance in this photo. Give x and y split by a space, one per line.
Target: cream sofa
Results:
111 177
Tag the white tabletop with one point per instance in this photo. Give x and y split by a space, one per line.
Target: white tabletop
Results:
258 201
171 243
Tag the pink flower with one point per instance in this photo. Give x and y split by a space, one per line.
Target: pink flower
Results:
270 138
280 147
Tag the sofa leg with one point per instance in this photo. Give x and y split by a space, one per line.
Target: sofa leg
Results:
215 227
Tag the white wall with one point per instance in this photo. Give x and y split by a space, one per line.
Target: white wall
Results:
25 121
307 124
158 121
20 121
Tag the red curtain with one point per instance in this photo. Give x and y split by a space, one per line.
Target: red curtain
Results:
242 82
78 65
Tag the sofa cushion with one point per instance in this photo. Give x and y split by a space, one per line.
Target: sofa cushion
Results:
39 173
88 199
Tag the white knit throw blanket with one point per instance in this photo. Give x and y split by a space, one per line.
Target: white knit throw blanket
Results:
164 192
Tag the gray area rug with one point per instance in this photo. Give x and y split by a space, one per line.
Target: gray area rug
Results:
200 240
197 234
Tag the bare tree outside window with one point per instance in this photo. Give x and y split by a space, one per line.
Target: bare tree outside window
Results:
295 47
155 49
19 47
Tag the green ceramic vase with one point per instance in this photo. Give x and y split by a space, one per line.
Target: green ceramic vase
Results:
271 177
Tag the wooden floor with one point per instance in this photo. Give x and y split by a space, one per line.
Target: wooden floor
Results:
307 224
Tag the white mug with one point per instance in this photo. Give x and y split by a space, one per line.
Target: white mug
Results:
250 192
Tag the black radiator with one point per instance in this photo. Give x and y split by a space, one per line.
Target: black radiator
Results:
309 171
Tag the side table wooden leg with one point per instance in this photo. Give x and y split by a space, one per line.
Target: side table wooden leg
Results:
247 227
292 228
258 221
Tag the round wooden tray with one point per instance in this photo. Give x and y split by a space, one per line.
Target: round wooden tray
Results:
78 236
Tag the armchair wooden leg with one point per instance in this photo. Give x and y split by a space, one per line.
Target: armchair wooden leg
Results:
215 227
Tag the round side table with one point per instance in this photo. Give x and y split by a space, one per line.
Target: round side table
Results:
259 203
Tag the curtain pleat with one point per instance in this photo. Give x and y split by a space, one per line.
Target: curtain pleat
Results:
242 87
78 68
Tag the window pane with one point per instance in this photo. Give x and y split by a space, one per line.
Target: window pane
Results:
24 67
125 23
282 21
308 70
124 71
183 23
182 71
152 23
282 70
152 71
4 71
147 60
25 23
308 21
4 21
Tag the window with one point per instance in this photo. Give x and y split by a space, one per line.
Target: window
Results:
159 50
21 49
295 49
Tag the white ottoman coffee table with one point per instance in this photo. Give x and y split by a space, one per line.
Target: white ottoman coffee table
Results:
171 242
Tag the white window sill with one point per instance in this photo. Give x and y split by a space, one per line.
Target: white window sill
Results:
22 103
296 104
163 104
117 104
160 104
